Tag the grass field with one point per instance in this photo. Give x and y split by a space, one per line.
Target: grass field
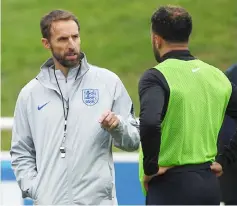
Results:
114 34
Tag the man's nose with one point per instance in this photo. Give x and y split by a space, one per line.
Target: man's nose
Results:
71 43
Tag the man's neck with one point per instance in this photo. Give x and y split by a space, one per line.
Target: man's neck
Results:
60 67
173 47
64 70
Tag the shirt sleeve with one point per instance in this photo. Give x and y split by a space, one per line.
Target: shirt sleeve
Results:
153 95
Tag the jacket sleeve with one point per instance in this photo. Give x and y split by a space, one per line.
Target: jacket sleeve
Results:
126 135
22 151
229 154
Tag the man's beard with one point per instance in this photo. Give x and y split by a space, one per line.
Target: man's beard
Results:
67 63
156 54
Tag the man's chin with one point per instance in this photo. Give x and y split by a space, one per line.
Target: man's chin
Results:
71 63
158 58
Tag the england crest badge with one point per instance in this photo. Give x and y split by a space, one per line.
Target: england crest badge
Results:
90 96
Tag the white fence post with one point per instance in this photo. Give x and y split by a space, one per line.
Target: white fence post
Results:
6 123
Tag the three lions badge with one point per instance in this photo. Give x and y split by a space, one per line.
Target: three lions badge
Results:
90 96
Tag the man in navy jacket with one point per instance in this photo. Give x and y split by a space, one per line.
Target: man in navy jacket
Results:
228 181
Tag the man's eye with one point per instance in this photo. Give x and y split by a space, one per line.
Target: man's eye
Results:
63 39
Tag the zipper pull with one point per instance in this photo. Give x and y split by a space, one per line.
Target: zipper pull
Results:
63 152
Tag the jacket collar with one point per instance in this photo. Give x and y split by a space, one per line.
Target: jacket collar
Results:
44 76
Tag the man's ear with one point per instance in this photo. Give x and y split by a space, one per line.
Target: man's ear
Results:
159 41
45 43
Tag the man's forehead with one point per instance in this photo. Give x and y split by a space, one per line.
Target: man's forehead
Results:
64 27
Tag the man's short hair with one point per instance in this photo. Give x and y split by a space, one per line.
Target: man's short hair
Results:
53 16
172 23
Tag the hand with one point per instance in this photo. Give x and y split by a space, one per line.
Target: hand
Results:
109 120
147 179
162 170
217 169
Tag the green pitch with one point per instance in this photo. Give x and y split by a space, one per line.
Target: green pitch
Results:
114 34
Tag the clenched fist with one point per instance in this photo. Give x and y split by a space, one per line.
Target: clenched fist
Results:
109 120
